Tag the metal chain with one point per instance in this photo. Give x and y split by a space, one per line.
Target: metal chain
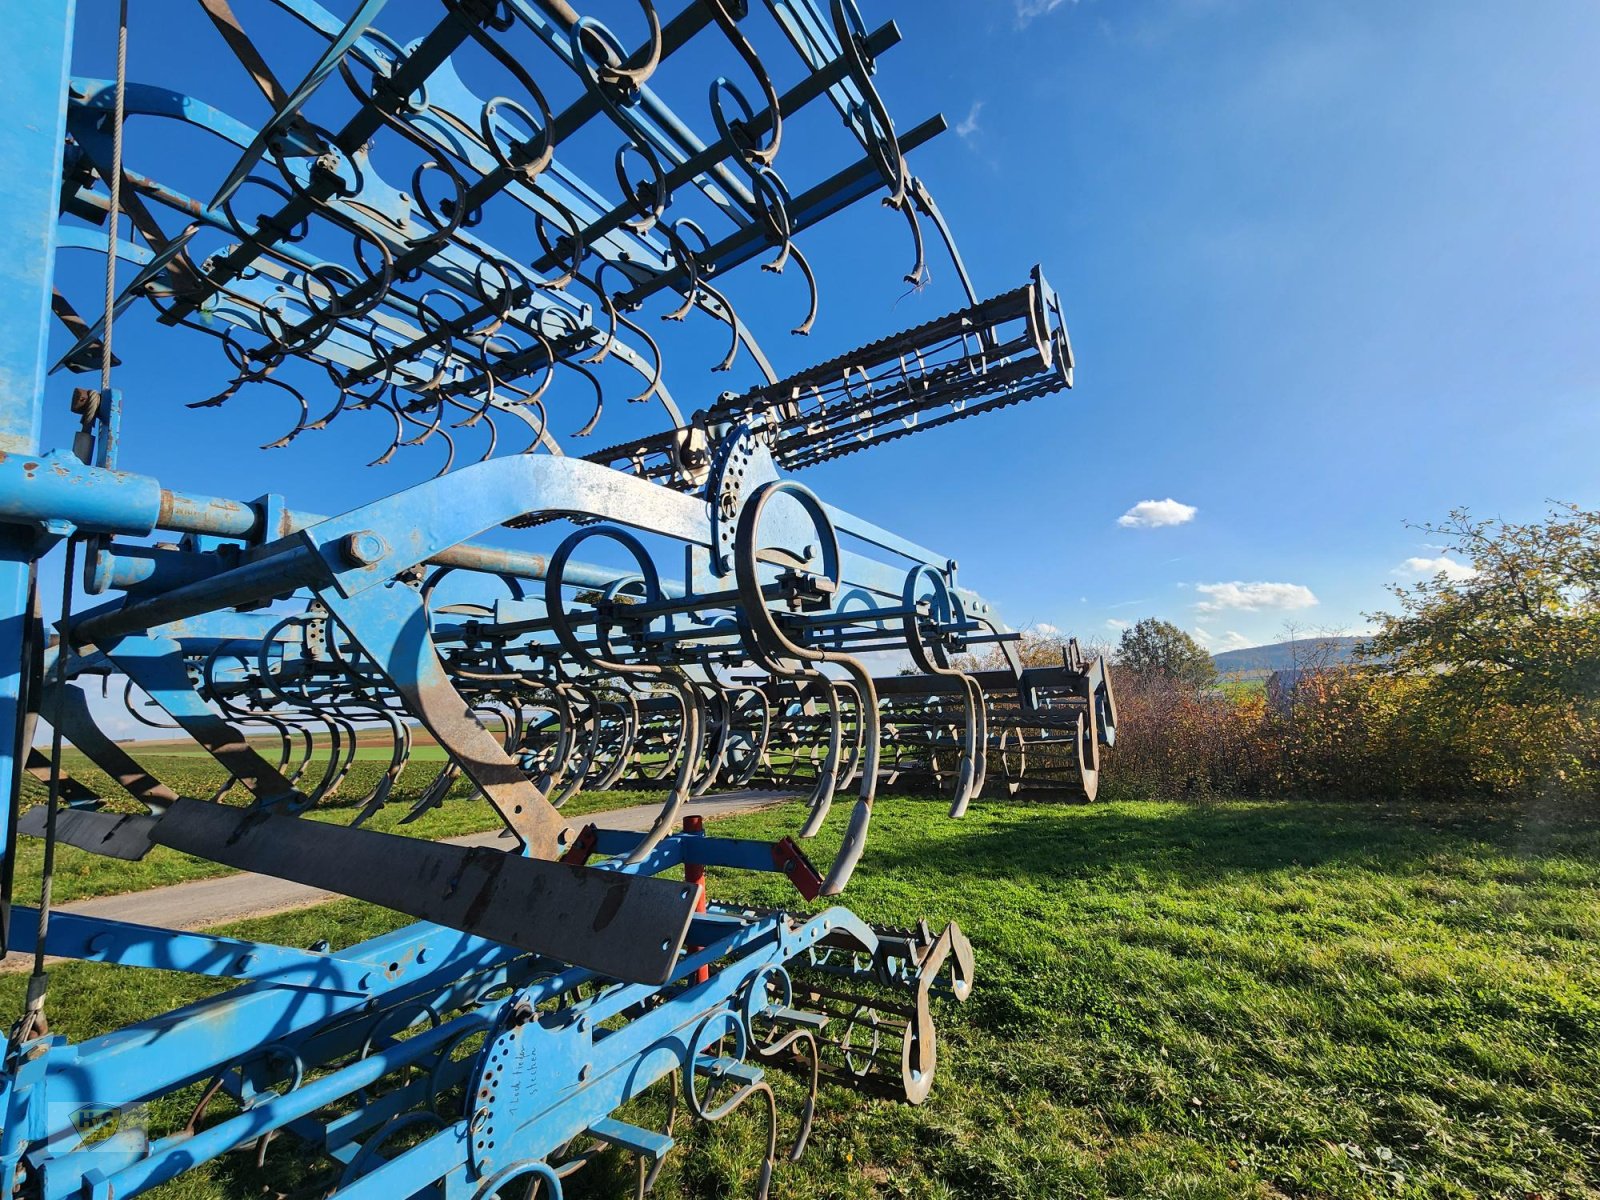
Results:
34 1023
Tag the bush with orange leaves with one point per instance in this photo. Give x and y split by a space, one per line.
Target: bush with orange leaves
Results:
1352 732
1485 684
1175 741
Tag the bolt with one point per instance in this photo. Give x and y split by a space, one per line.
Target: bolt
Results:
363 548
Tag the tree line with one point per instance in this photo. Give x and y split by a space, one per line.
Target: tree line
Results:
1485 681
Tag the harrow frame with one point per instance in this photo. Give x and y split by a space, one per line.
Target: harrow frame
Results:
485 1049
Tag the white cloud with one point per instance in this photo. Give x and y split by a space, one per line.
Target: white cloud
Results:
1232 640
1044 629
1151 514
1113 623
968 125
1027 10
1427 568
1252 597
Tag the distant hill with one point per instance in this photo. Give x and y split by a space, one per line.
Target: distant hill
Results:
1256 661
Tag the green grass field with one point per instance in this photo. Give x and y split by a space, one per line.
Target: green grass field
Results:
1228 999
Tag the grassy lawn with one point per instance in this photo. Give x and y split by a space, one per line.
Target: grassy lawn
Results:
80 875
1230 999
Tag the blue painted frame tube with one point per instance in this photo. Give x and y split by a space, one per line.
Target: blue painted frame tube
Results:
121 1067
100 939
173 1156
34 61
34 58
56 486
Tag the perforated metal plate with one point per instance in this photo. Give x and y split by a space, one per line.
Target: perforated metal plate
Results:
625 926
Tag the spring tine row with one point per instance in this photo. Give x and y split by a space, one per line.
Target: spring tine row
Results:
420 314
580 691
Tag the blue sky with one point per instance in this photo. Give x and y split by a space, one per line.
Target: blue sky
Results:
1328 268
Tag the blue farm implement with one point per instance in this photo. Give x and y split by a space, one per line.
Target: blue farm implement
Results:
404 239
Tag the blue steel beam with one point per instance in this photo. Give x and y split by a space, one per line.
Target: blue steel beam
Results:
100 939
34 61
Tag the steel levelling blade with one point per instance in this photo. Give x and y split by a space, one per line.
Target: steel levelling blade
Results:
116 835
626 926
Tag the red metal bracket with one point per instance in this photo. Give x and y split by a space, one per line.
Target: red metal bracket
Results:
792 861
694 874
582 848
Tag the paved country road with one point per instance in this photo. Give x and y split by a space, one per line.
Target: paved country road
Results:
201 903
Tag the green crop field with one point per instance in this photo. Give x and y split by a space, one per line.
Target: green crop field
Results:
1227 999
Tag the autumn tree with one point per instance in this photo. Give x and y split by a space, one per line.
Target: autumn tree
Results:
1506 636
1159 651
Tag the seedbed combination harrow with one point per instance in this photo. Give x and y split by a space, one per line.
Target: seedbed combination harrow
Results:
458 227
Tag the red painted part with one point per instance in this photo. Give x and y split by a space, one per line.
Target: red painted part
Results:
792 861
582 848
695 875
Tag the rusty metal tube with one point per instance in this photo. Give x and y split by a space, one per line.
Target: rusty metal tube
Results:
277 575
185 513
